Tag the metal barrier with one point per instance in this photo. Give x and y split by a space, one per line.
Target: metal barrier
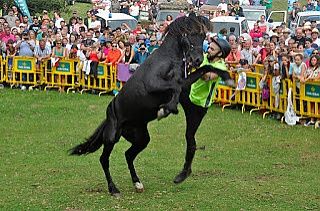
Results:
22 72
63 75
258 68
105 81
279 103
2 75
226 95
310 100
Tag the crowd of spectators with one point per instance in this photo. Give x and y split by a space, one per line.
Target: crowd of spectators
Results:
283 52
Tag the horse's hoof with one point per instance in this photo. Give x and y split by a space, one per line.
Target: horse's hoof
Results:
139 187
116 195
182 176
162 113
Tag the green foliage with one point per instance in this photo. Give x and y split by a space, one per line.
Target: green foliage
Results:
248 163
37 6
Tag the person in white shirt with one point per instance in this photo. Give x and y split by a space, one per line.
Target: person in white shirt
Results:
223 5
315 36
57 23
134 10
95 24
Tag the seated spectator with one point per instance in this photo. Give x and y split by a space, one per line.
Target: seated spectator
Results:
142 54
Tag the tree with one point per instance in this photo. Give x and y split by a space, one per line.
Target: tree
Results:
37 6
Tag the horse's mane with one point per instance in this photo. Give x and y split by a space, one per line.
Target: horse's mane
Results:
189 25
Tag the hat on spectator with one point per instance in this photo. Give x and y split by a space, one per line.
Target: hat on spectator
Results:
141 37
307 23
314 46
315 30
22 24
286 30
14 28
306 27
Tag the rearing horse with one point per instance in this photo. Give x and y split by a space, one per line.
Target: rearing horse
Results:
152 91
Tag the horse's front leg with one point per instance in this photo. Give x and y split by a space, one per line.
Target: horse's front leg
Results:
194 115
172 105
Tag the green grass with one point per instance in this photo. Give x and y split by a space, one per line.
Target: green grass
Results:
248 163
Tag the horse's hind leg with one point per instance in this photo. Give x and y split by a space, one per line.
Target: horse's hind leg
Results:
139 137
104 160
194 115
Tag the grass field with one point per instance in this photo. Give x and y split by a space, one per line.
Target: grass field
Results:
248 163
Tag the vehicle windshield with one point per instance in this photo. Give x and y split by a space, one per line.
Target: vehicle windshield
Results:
303 19
227 25
213 2
253 15
162 15
117 23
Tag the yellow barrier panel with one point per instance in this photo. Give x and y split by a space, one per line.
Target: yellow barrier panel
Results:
224 94
63 75
310 99
2 75
258 68
279 103
23 71
296 97
106 80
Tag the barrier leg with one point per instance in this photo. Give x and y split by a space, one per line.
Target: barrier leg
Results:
101 93
254 109
265 113
226 105
243 108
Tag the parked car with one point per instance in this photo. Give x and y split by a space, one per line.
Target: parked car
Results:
239 23
302 17
253 13
115 20
209 6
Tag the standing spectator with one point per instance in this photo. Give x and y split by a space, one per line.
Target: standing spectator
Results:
58 19
80 24
310 5
247 52
124 6
223 5
95 24
237 10
299 36
263 25
234 57
87 20
135 10
315 36
94 56
285 67
153 45
263 53
296 69
142 54
11 18
7 35
255 32
113 55
128 53
35 26
42 52
268 4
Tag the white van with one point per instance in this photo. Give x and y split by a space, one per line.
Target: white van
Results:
253 13
239 23
302 17
115 20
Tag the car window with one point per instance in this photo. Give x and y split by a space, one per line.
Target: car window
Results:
213 2
162 15
253 15
308 18
220 25
117 23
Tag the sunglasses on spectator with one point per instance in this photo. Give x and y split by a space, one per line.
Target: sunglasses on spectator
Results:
114 45
59 43
315 52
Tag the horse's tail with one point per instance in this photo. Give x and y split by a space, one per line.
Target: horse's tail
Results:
92 144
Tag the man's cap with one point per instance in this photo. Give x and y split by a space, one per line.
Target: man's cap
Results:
315 30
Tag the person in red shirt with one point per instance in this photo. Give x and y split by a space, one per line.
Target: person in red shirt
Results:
256 31
114 55
6 36
94 55
234 57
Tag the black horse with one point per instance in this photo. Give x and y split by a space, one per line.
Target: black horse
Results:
152 92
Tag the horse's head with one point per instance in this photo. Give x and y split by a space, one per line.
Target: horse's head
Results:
192 31
192 46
